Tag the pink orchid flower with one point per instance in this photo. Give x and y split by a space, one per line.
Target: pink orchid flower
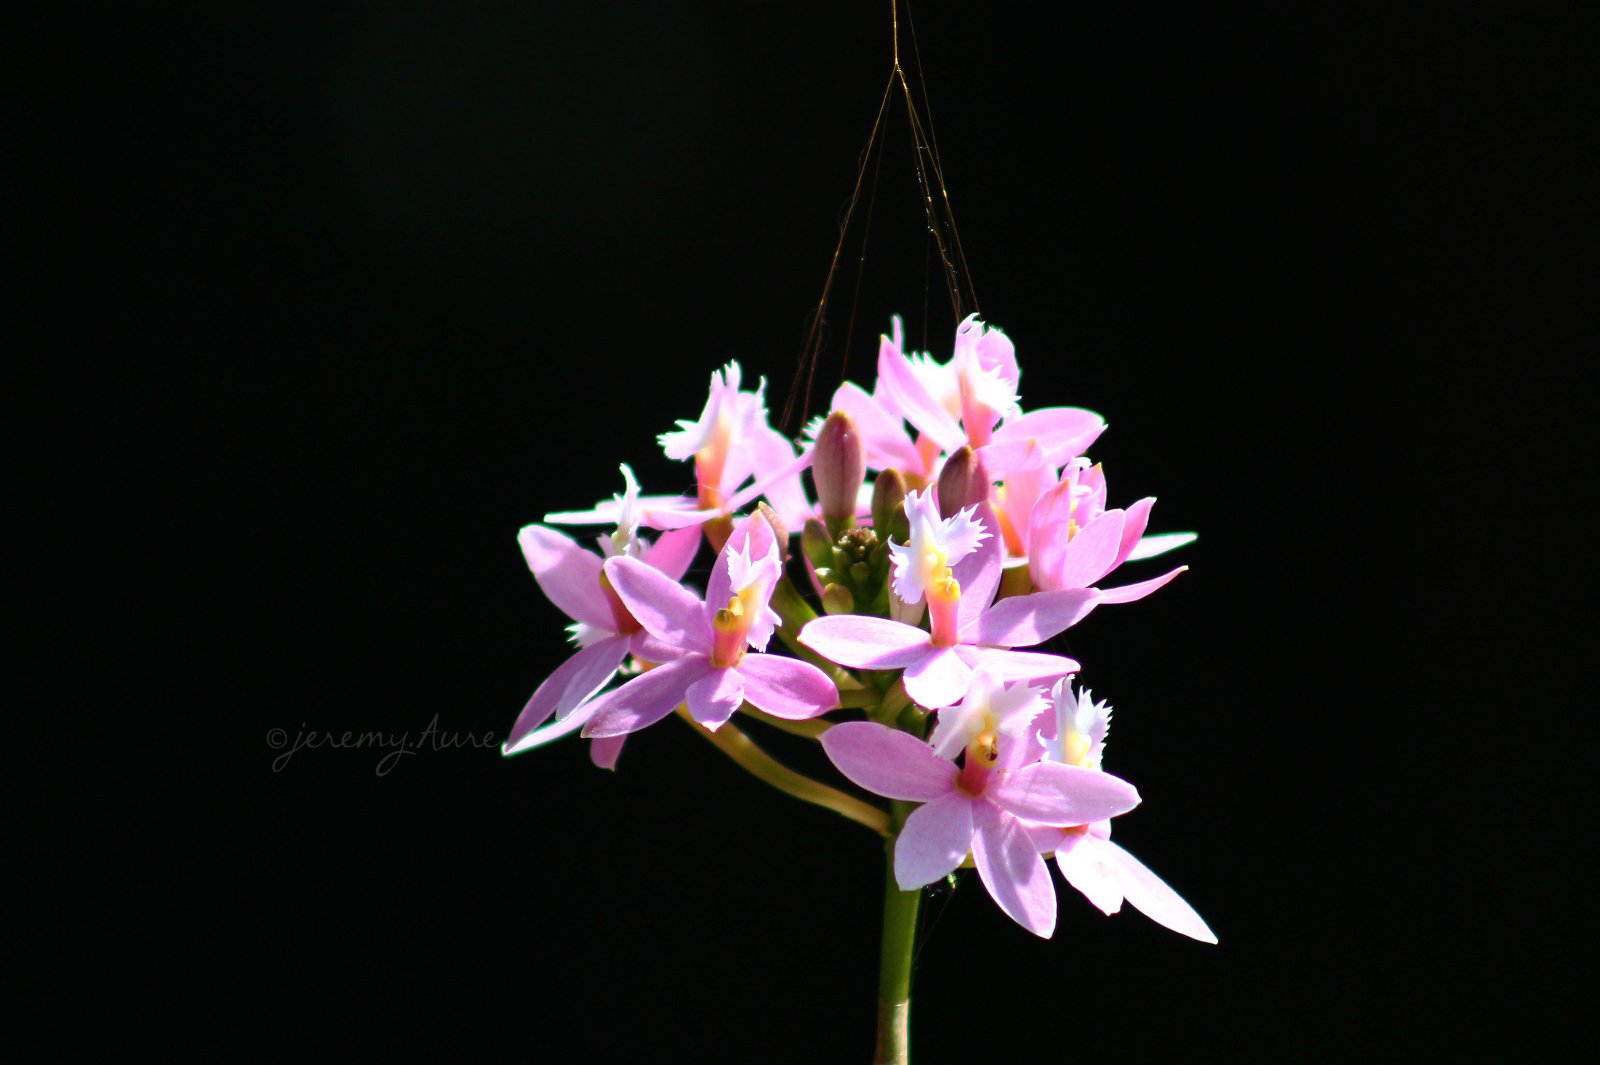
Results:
1073 542
605 631
1106 874
955 565
712 668
984 806
961 401
731 444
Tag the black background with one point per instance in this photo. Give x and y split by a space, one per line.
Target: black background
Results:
370 288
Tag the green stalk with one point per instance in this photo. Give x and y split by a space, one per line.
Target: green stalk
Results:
736 745
894 972
811 730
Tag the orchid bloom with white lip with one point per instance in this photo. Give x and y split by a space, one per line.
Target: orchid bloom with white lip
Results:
731 444
1073 542
712 671
957 402
1106 874
967 632
605 631
988 805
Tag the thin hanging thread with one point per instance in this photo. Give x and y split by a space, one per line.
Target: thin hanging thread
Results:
939 218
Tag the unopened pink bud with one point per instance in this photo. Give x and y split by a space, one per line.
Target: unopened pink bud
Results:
962 483
839 469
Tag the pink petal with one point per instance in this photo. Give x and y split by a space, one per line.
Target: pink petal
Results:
920 409
781 484
1091 554
1047 535
865 643
715 697
646 648
1133 525
688 514
938 679
645 699
660 604
1027 620
545 734
1081 866
1159 544
573 682
934 839
1127 593
567 574
608 512
1012 666
979 573
1063 432
673 551
1012 870
603 752
1056 794
1149 894
787 687
889 762
888 444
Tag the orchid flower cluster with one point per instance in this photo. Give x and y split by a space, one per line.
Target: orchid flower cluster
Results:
983 531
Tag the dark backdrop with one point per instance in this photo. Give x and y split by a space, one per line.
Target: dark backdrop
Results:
391 281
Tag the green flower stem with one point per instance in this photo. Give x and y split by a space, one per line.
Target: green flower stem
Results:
899 942
894 701
859 698
736 745
811 730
